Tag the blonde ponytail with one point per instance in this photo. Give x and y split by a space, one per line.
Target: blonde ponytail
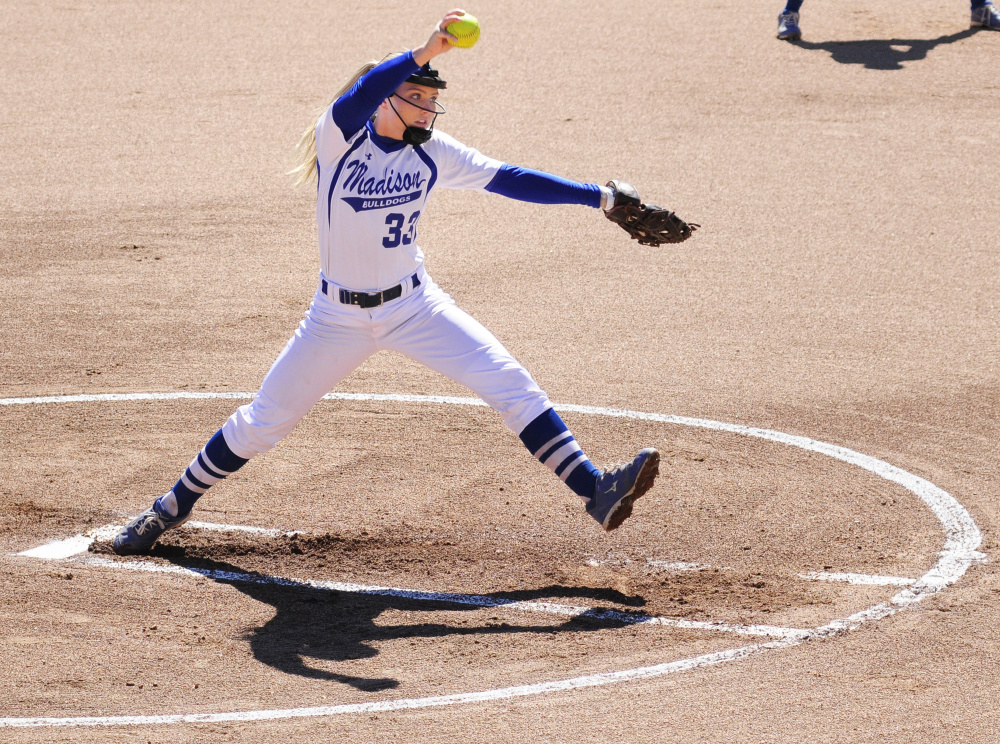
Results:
305 152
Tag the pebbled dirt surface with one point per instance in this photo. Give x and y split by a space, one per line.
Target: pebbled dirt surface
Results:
842 288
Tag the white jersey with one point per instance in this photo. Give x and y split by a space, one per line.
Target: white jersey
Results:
371 194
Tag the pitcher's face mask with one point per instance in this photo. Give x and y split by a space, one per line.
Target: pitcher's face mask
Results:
429 81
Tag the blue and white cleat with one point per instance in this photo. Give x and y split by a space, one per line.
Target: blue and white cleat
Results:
986 17
618 488
788 27
139 535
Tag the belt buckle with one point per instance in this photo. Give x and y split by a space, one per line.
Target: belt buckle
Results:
366 300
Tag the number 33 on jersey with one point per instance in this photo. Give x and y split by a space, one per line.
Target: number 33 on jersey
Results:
396 234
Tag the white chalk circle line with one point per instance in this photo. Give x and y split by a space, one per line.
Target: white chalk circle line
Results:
962 539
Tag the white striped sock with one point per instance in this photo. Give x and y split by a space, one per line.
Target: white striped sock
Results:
564 458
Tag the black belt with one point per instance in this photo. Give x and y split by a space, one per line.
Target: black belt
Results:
370 299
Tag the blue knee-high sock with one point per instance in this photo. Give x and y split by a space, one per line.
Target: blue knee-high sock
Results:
213 463
977 4
550 440
792 6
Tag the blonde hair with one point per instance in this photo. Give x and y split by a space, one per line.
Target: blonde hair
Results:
305 170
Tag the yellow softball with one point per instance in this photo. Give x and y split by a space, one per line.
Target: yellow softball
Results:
466 30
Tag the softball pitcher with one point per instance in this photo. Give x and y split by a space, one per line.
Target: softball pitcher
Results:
376 158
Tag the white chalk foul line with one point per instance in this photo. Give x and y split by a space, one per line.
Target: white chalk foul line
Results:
962 540
856 578
115 397
674 566
681 566
213 527
139 397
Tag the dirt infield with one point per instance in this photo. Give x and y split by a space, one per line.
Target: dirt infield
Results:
409 552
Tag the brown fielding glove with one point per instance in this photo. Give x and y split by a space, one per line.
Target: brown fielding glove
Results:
647 223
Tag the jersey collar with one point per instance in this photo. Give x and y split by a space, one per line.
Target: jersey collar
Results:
384 143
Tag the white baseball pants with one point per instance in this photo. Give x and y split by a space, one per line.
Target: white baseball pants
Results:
333 339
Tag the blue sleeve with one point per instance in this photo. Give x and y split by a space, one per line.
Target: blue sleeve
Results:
535 186
356 106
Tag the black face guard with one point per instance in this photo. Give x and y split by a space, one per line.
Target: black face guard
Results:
417 135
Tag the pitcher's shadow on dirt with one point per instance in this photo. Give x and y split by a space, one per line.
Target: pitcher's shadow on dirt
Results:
312 623
883 54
